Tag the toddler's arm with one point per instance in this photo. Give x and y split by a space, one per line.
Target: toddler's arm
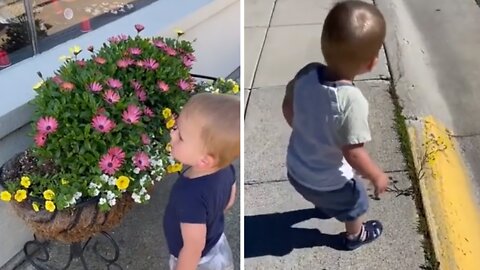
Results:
231 201
194 239
287 105
358 157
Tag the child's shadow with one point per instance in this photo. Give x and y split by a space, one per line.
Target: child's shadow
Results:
272 234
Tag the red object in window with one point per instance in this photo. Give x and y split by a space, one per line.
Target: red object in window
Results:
4 60
85 25
57 7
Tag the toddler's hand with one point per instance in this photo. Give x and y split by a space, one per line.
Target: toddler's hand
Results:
380 182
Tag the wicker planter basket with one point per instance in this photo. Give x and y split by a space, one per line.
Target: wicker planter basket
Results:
70 225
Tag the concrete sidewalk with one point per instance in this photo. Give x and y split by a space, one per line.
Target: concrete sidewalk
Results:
280 231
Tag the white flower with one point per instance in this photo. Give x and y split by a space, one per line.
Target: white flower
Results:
136 198
104 178
136 170
112 181
102 201
158 179
147 197
96 192
77 195
143 191
110 195
143 180
112 202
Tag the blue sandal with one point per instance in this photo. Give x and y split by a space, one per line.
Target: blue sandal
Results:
371 230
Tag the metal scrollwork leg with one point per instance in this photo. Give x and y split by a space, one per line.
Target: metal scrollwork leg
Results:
112 243
35 249
33 257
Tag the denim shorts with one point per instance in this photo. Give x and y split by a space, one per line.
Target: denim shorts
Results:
345 204
218 258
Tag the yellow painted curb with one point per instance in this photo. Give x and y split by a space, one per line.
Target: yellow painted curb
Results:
452 214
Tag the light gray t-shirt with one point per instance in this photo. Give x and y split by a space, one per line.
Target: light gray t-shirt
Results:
326 116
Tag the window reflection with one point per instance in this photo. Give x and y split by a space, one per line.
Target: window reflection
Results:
25 29
70 18
15 40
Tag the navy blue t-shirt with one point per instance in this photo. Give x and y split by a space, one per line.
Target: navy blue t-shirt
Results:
199 200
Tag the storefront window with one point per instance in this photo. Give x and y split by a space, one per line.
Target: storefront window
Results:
67 19
15 38
54 22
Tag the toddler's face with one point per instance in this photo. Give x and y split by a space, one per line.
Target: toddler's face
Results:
187 145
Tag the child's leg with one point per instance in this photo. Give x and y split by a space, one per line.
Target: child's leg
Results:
354 227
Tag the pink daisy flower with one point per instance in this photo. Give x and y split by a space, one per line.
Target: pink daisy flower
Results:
113 40
148 112
40 139
141 95
81 63
160 44
47 125
109 164
122 37
124 63
100 60
131 115
57 79
95 87
170 51
150 64
135 51
191 56
140 63
139 28
141 160
102 124
117 153
67 86
111 97
145 139
187 61
135 85
184 85
114 83
162 86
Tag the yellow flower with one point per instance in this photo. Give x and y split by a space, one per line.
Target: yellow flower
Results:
75 50
236 88
48 194
35 207
174 168
166 113
179 32
38 85
5 196
170 123
168 147
20 195
25 181
122 182
50 206
64 181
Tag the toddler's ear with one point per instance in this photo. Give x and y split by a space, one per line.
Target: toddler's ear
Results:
372 63
207 162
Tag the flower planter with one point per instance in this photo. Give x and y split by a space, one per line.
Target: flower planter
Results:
75 224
